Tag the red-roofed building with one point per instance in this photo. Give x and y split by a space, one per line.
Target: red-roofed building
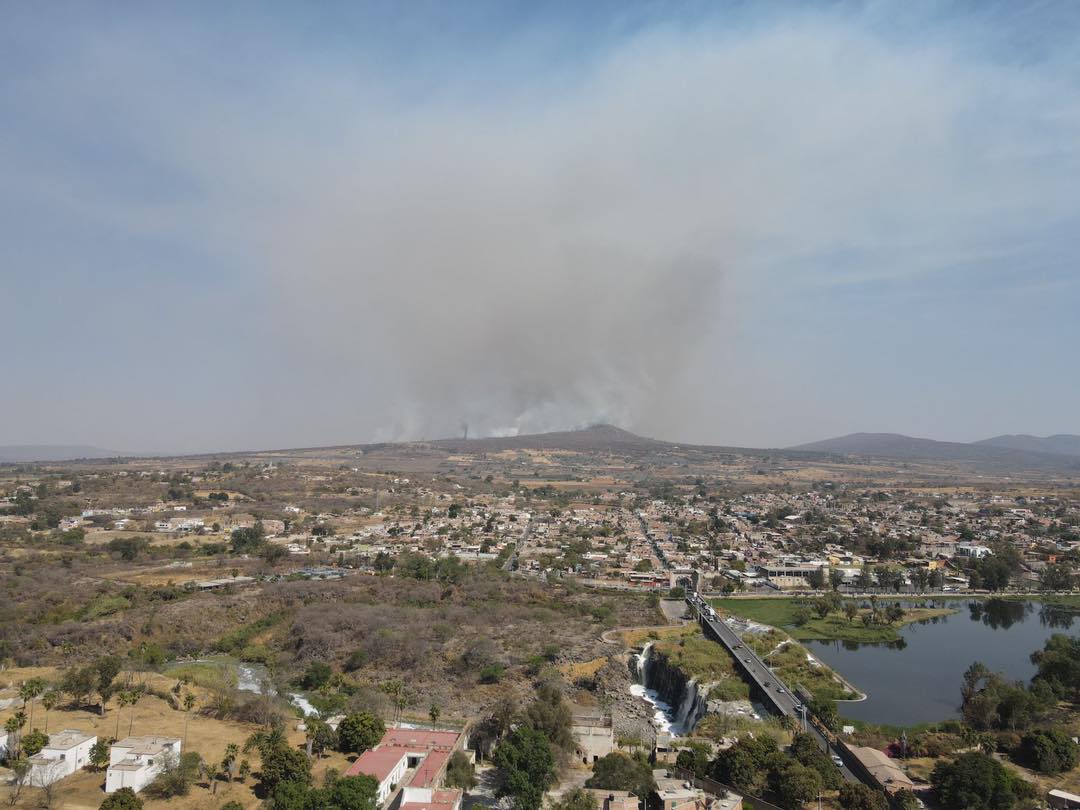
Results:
415 758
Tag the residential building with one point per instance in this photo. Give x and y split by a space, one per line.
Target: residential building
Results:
134 762
66 752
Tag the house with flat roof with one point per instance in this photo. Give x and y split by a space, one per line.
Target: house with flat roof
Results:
66 752
134 762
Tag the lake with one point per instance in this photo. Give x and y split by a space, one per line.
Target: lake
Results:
917 679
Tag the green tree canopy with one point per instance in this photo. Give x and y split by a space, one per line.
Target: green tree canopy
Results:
617 771
526 766
359 732
123 799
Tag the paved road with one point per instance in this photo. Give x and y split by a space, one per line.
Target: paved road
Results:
659 552
774 690
511 561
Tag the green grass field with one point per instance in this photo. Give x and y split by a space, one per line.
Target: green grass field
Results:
835 627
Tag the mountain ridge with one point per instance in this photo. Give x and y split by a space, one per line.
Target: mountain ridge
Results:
27 453
903 447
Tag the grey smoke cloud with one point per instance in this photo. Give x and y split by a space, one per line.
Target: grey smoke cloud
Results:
798 224
575 254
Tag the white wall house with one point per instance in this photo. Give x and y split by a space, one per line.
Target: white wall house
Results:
66 752
135 762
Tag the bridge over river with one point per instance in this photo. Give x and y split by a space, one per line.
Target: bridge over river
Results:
774 693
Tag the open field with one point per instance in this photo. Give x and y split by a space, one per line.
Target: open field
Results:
782 613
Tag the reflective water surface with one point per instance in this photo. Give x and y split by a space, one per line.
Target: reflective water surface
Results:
917 679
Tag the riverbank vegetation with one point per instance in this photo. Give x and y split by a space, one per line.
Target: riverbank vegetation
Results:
1014 740
796 667
831 617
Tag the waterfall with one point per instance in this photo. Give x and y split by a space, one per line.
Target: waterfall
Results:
641 668
664 686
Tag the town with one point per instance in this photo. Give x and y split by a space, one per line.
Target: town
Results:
386 625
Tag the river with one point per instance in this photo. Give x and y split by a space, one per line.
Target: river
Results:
917 679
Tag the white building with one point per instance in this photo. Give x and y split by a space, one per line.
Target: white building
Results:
972 550
66 752
135 762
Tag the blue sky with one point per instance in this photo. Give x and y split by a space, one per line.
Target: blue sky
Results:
282 224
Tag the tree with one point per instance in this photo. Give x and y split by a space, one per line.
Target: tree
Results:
825 711
106 669
816 579
127 547
617 771
796 784
1048 751
805 750
1057 577
358 732
354 793
836 578
99 754
228 762
694 759
28 692
973 781
79 683
576 799
1058 665
434 712
744 765
460 772
280 762
212 771
248 540
123 799
316 675
177 776
851 610
856 796
33 742
801 615
526 767
549 714
319 736
20 770
189 704
48 702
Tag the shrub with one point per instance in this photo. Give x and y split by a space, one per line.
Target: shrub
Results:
123 799
1047 751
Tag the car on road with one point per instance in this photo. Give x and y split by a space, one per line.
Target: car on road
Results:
839 763
766 684
747 660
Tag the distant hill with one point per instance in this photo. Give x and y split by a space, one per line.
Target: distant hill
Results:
899 446
22 453
1066 444
595 438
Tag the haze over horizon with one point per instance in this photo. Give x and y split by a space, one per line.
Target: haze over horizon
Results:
274 226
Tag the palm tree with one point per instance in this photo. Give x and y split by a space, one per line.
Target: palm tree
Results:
29 690
49 701
189 704
232 751
133 698
11 726
213 771
121 702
